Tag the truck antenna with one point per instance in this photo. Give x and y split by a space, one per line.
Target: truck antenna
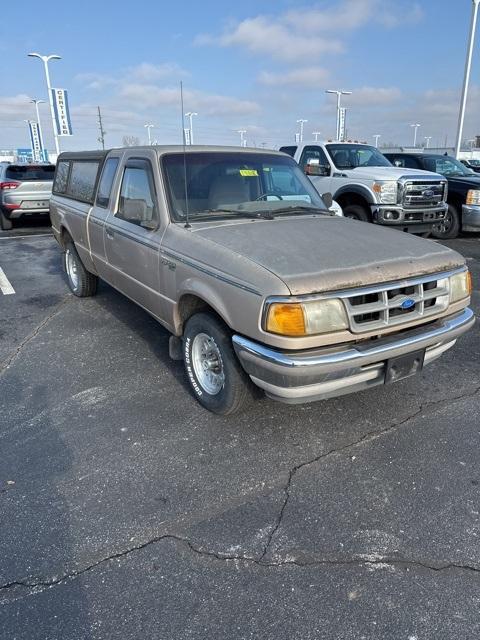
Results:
187 223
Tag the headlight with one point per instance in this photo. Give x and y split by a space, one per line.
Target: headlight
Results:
306 318
473 196
460 286
386 192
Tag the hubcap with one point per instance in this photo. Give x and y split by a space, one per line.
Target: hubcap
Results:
445 225
72 269
208 364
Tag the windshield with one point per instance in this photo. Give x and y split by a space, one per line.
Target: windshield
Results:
350 156
447 166
224 184
30 172
474 162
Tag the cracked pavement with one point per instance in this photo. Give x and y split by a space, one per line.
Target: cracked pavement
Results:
126 511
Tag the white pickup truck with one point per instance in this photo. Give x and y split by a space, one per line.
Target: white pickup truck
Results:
369 188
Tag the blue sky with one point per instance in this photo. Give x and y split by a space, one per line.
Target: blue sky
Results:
257 66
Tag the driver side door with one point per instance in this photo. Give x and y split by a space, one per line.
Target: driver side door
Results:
133 232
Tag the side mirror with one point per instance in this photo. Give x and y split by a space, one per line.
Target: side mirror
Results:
316 169
327 199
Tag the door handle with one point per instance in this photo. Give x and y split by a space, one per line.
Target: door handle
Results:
110 232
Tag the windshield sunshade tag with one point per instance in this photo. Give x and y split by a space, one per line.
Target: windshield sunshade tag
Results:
248 172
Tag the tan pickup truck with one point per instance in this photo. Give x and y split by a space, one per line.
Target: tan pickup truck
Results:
236 254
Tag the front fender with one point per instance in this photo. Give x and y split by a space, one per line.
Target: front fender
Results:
358 189
206 292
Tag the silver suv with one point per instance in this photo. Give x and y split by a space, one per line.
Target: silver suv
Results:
25 190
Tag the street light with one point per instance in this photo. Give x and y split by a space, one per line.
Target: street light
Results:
45 60
242 132
40 135
316 134
148 127
338 93
376 136
466 79
472 142
427 138
190 115
301 123
415 133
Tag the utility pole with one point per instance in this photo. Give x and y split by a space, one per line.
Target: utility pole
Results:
376 136
466 79
415 126
301 122
242 132
190 115
316 134
46 60
149 127
339 94
427 138
101 137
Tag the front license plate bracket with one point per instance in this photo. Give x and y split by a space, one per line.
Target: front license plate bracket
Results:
405 366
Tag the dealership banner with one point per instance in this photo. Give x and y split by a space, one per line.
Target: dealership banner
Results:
62 114
37 147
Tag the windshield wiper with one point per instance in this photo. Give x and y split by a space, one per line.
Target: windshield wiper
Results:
208 213
301 208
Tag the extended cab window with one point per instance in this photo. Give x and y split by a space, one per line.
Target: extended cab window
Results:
290 150
106 182
83 175
137 195
61 177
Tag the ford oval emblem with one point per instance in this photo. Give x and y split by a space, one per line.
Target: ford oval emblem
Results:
408 303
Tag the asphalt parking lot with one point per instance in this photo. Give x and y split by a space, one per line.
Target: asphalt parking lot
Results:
127 511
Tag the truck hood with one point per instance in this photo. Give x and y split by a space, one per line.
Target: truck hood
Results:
390 173
312 254
472 181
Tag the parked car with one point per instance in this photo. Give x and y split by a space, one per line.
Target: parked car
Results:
472 164
369 188
463 190
25 190
233 251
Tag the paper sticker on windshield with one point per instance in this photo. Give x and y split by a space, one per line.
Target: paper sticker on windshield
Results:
248 172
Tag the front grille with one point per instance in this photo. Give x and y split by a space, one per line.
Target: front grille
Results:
376 308
423 194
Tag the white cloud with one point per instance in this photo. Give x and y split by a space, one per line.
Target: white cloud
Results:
146 72
311 30
304 77
374 96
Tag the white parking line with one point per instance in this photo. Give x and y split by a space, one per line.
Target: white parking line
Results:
5 285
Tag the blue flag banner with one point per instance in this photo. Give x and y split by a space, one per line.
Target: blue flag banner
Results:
63 124
37 149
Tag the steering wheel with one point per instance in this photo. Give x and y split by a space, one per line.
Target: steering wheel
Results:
268 193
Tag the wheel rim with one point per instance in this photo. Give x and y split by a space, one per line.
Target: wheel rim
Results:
208 364
72 268
446 224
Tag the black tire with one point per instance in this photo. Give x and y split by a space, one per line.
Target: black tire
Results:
236 390
81 282
5 223
356 212
450 227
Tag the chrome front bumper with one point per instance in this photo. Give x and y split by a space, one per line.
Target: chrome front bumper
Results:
316 374
470 217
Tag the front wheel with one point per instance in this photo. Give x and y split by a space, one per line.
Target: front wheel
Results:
449 227
356 212
216 378
81 282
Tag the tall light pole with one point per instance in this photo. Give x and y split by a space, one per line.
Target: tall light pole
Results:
46 60
339 94
316 134
415 127
472 144
40 135
427 138
190 115
376 136
242 132
466 79
149 127
301 122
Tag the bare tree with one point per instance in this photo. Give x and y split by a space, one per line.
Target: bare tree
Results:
130 141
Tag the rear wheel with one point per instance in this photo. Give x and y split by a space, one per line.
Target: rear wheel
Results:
449 227
216 378
357 212
81 282
5 223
